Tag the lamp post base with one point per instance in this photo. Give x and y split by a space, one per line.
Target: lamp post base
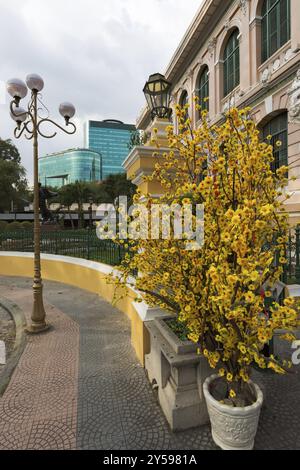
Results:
37 328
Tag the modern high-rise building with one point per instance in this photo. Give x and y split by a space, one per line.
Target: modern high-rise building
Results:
110 138
69 166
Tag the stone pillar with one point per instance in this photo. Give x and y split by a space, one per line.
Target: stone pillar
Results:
255 49
219 86
293 204
212 73
139 163
244 60
141 160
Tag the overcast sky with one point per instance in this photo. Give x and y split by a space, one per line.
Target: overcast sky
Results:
95 53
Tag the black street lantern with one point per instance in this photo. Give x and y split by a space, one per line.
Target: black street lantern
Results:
157 93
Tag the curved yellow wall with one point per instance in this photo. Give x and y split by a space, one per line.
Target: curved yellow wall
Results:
85 275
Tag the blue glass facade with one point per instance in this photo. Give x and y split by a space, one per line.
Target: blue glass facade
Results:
59 169
110 138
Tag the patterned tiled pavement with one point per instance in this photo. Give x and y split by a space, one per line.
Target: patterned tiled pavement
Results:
80 386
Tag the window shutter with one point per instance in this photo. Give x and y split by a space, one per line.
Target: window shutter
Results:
278 129
276 28
204 89
231 63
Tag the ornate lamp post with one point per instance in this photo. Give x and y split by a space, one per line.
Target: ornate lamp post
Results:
157 91
29 122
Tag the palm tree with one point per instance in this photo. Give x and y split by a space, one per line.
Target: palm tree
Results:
66 197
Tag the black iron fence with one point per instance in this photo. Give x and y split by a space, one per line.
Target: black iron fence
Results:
85 244
78 243
292 268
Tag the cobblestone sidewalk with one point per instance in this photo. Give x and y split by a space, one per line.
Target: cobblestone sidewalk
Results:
80 386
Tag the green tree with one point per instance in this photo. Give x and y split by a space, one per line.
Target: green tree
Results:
75 193
118 185
98 193
8 151
82 194
66 197
105 192
13 183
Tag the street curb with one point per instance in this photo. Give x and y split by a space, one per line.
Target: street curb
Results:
20 321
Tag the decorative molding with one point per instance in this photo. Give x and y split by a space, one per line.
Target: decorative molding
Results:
288 55
294 100
256 21
265 76
211 47
269 104
276 65
227 25
190 73
229 103
243 6
197 65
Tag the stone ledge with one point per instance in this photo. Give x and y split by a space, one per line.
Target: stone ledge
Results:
179 346
179 377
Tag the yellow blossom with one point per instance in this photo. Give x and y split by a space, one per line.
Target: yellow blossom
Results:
249 297
217 288
254 276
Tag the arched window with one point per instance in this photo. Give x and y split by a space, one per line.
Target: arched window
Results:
232 63
184 99
203 89
278 129
276 26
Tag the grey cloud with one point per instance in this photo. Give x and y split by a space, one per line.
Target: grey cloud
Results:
101 68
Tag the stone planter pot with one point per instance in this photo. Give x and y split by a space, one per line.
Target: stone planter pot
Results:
233 428
178 373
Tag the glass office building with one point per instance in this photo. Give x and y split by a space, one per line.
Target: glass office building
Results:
59 169
110 138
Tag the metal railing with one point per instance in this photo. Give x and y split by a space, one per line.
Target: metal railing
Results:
292 268
76 243
85 244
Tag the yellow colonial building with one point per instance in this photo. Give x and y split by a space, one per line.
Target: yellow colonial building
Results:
238 53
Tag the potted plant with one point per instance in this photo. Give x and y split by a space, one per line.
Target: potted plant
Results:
218 289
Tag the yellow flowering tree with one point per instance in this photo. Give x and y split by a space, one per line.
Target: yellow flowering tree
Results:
217 290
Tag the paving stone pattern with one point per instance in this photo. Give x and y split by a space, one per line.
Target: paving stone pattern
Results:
80 386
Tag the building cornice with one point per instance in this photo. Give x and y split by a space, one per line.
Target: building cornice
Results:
200 29
144 151
63 152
